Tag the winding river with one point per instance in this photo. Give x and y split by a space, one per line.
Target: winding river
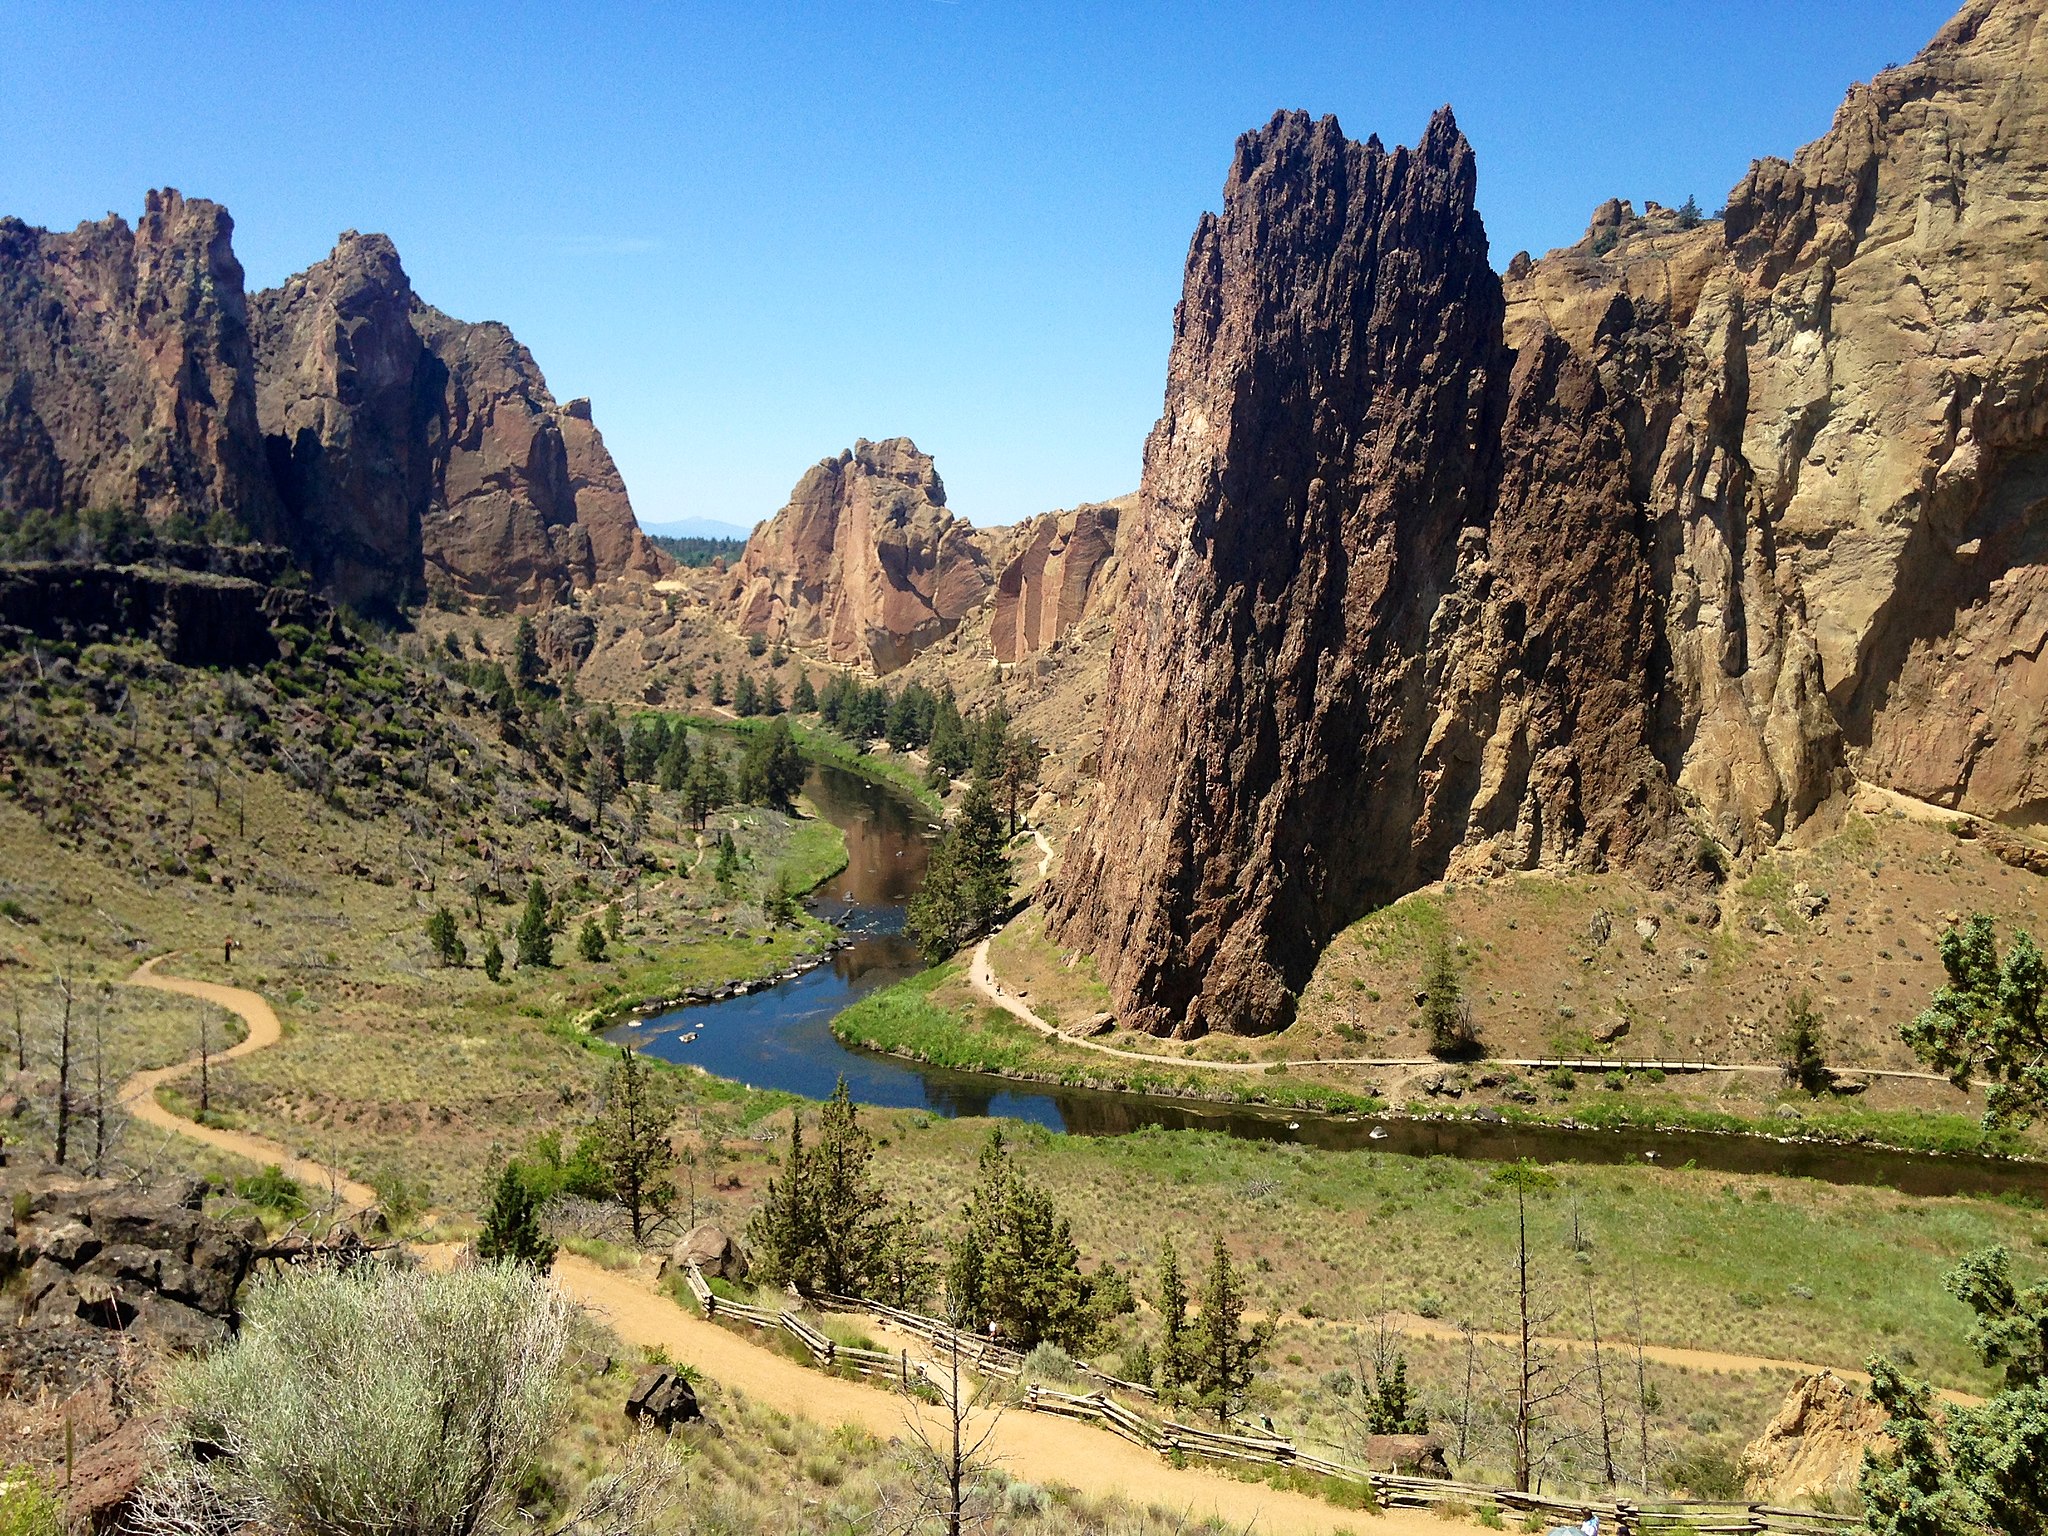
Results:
782 1038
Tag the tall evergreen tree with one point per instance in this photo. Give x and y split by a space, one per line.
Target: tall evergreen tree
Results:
948 747
512 1227
967 879
526 663
1172 1301
1014 1263
630 1138
803 698
1991 1020
746 696
673 770
825 1222
536 941
1222 1354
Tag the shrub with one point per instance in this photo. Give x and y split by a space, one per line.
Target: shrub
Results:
28 1505
590 941
1048 1362
273 1190
374 1399
1705 1473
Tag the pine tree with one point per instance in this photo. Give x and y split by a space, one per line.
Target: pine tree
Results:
1172 1301
948 747
590 940
746 697
1222 1354
705 789
727 869
511 1227
803 698
1015 1264
526 662
718 693
1446 1015
1805 1060
784 1229
1990 1019
536 942
494 957
445 939
673 769
967 879
630 1139
773 769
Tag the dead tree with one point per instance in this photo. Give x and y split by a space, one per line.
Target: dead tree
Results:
1599 1385
950 1458
64 1072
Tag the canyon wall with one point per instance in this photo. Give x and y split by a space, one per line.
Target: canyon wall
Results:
1061 562
381 441
125 375
1648 546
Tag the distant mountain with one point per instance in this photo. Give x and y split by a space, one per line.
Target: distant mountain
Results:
697 528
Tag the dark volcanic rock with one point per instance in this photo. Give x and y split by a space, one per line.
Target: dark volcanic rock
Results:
125 373
1331 427
350 405
199 619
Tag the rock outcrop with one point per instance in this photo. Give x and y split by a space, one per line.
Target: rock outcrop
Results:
1811 1453
1063 559
865 562
350 417
381 441
197 618
103 1267
410 446
125 374
1653 542
527 503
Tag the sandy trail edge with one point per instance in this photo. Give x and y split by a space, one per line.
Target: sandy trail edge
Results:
1030 1446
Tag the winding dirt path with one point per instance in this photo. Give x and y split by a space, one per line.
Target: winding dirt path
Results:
1027 1445
138 1094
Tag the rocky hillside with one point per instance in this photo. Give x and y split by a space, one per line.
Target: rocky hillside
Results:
1630 559
388 445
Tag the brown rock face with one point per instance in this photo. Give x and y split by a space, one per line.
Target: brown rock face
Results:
865 561
350 411
125 375
1331 426
527 503
1655 542
1045 587
1813 1449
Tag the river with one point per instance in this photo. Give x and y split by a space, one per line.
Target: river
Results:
782 1038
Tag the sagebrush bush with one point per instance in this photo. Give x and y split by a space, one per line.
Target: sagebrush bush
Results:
374 1402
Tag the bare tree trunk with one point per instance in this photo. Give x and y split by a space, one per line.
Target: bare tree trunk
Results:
64 1074
99 1090
20 1038
1642 1400
1523 1390
1465 1409
205 1063
1600 1390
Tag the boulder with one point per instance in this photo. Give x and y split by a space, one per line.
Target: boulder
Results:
107 1474
713 1250
1407 1455
662 1399
1812 1451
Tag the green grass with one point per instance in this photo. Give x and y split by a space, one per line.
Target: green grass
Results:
815 853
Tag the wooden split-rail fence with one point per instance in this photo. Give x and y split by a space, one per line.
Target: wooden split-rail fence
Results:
1169 1439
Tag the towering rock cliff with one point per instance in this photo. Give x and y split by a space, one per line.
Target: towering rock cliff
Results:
1653 542
409 445
350 417
1062 561
865 560
527 501
336 414
124 368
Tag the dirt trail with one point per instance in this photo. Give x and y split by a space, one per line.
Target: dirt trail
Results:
981 977
1030 1446
138 1093
1713 1360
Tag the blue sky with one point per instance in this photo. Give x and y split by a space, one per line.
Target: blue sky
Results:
753 232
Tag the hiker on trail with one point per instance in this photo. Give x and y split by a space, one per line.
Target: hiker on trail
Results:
1590 1528
227 950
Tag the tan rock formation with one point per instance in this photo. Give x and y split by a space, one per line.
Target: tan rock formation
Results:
1429 572
1045 586
125 373
865 561
1811 1453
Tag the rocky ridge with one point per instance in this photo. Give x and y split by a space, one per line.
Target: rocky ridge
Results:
1641 550
386 444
